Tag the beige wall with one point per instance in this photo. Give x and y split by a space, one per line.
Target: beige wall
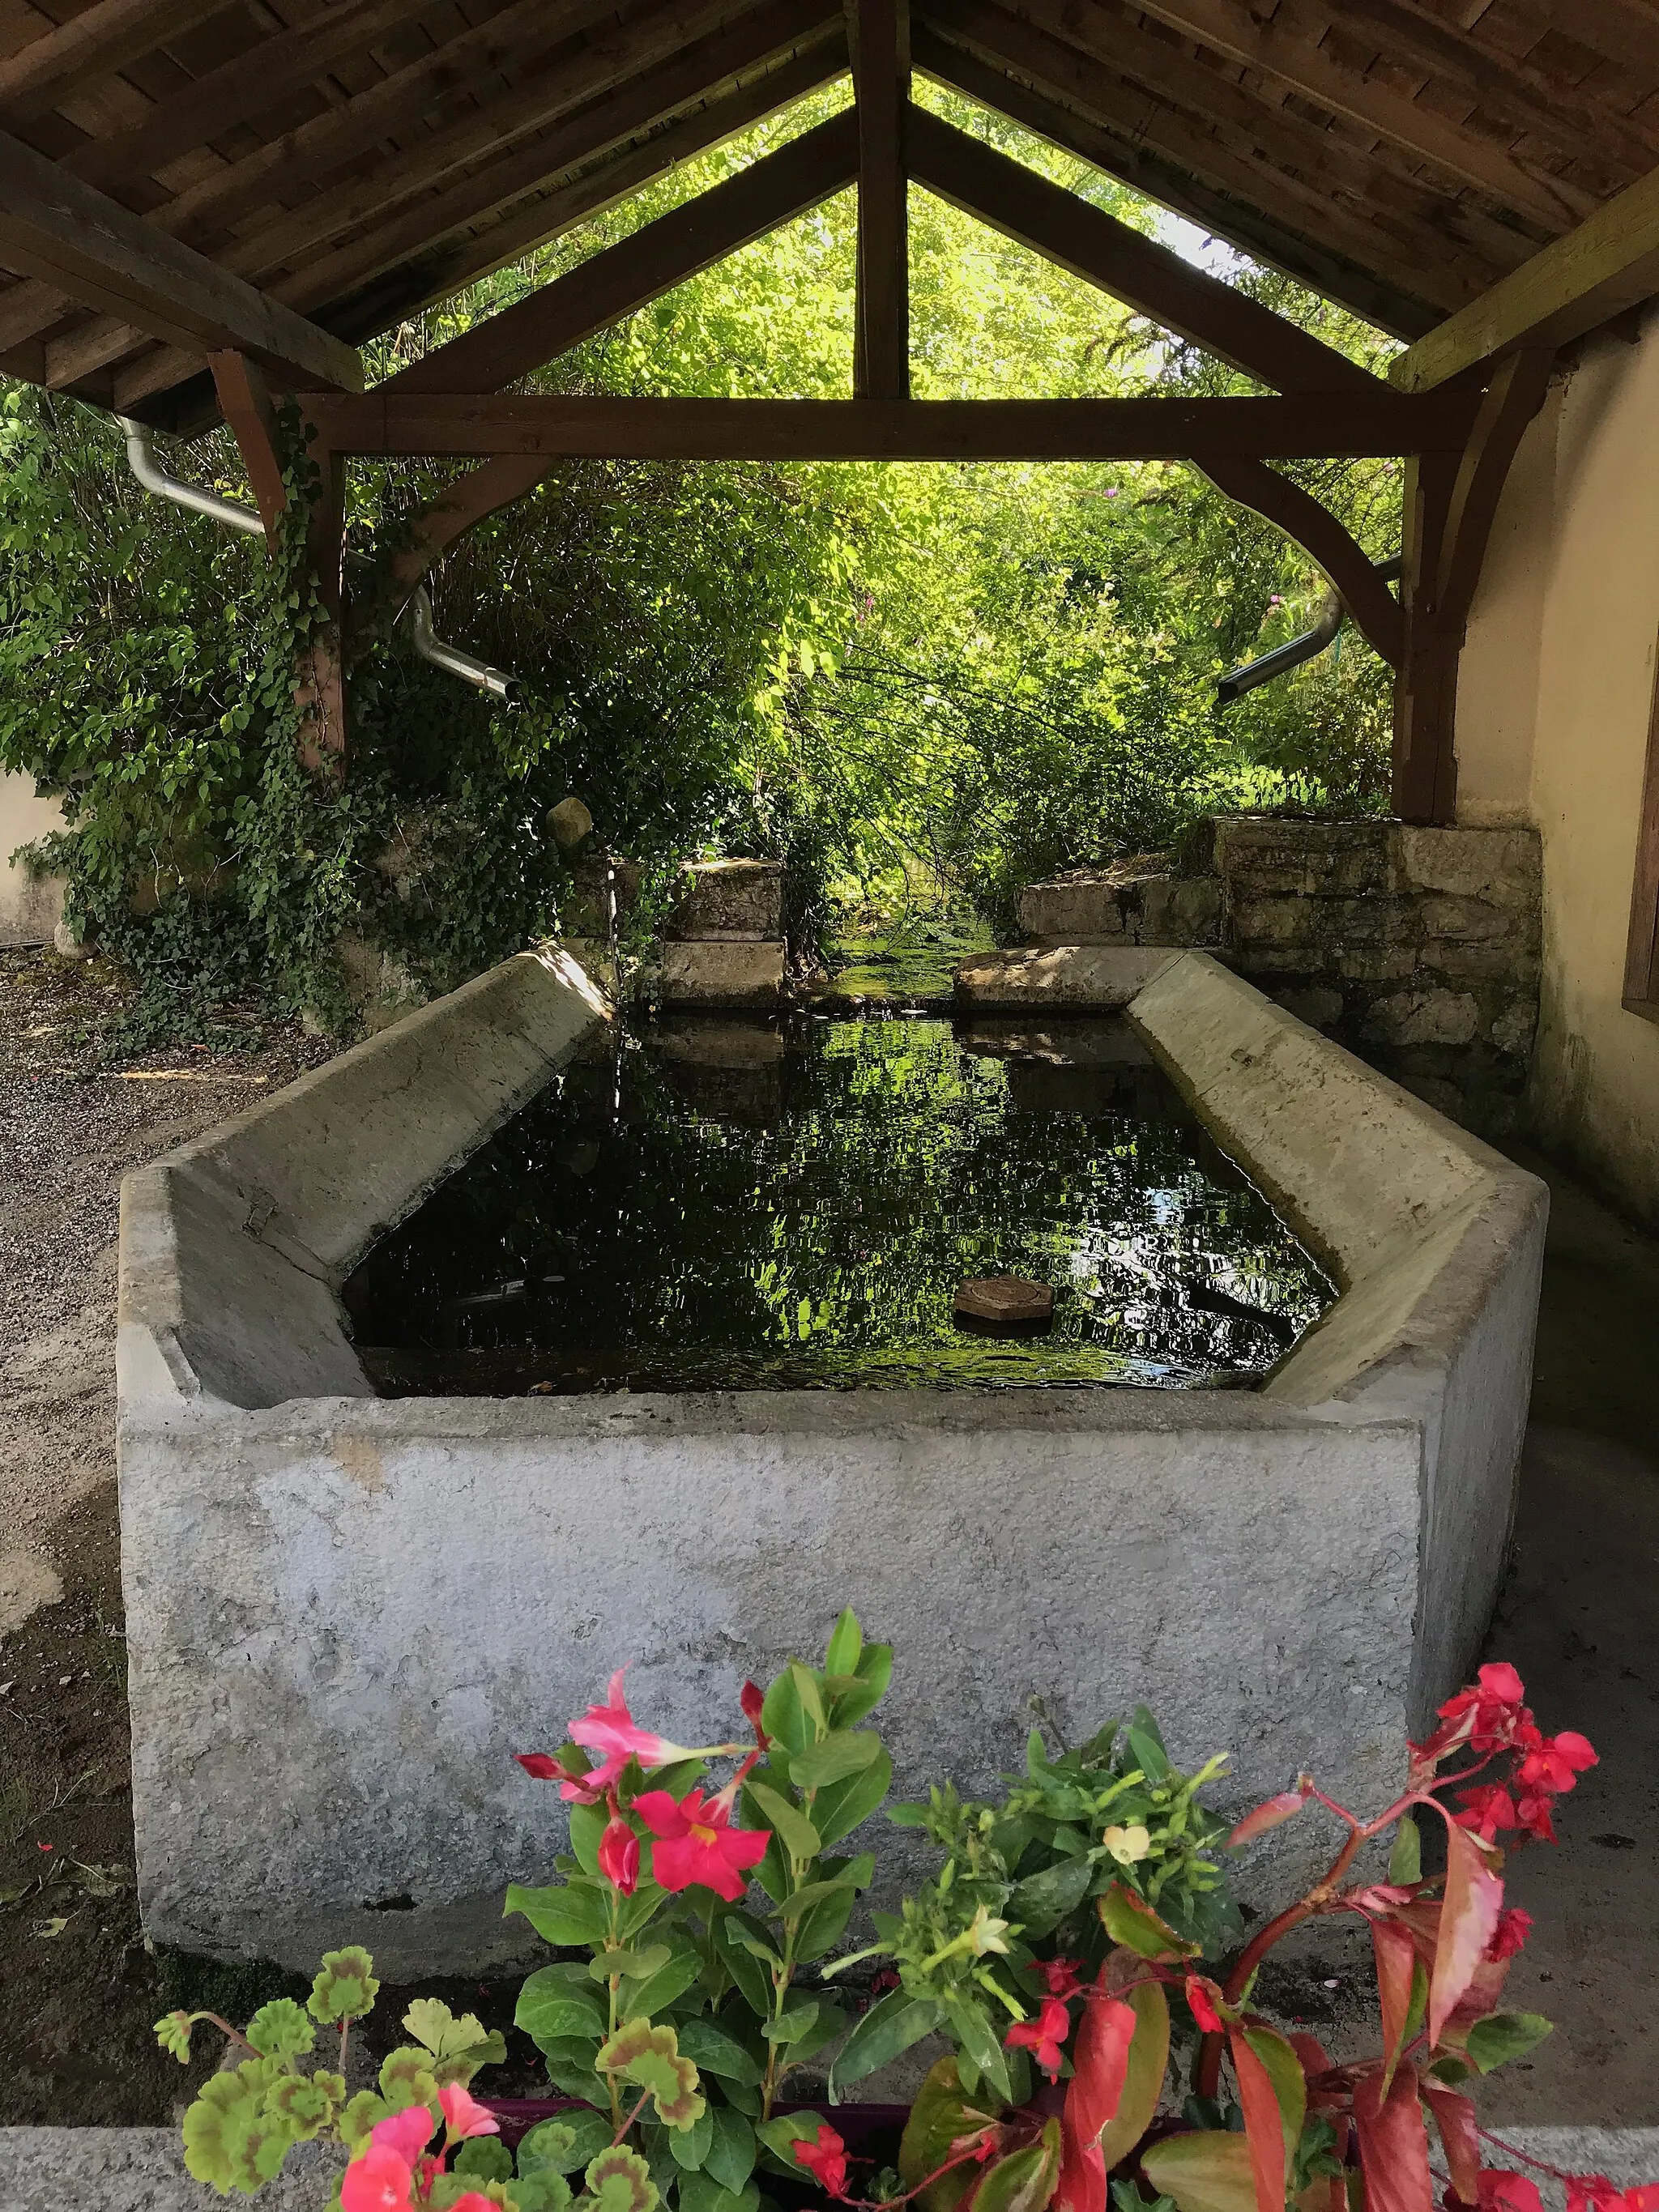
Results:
1554 704
29 907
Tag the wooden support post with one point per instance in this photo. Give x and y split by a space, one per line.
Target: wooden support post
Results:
245 402
879 36
319 688
1641 994
1451 503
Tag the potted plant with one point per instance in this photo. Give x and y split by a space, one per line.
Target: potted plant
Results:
1077 1948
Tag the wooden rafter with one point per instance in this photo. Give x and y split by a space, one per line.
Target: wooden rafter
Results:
394 420
53 225
879 31
1607 264
1341 559
639 269
105 37
1225 213
1135 269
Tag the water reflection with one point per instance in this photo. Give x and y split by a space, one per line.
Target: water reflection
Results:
715 1205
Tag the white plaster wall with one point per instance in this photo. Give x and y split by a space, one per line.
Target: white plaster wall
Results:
1554 700
30 907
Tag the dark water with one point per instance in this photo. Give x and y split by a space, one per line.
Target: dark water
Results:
715 1205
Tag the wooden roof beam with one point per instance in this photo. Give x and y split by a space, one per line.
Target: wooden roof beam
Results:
390 420
1146 275
1213 207
1297 62
878 33
101 39
54 226
1607 264
638 270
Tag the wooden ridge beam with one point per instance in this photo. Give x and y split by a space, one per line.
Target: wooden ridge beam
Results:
638 270
879 38
1151 279
1337 556
101 39
1296 61
1216 208
396 419
54 226
1607 264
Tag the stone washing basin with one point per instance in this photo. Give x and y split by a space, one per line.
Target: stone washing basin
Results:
344 1613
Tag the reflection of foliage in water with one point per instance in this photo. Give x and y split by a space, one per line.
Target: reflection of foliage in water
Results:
797 1209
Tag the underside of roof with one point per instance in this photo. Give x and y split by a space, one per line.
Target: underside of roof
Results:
355 160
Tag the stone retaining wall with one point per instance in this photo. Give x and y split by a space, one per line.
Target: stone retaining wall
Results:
1417 949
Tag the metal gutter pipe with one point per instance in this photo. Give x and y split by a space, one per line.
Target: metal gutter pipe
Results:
141 460
1296 650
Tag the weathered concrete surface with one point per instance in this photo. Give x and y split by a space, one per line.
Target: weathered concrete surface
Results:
728 899
345 1614
1065 978
30 906
722 972
139 2170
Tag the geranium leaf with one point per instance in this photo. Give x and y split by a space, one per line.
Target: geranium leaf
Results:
280 2030
619 2180
346 1987
564 2146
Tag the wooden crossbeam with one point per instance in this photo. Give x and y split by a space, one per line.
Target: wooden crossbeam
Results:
52 225
879 36
1120 152
1339 556
639 269
1607 264
393 419
1135 269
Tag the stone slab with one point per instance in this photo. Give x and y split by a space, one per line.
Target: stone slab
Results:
728 899
1079 978
722 973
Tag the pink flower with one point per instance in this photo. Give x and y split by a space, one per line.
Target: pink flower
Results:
1558 1762
406 2134
1201 1995
1514 1926
1593 2192
1488 1809
1487 1714
610 1730
1043 2036
696 1844
377 2181
463 2114
619 1855
472 2201
1061 1975
752 1697
824 2157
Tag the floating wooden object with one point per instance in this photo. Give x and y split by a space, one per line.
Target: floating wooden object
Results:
1010 1302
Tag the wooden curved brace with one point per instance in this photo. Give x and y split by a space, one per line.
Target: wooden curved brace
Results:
494 484
1340 557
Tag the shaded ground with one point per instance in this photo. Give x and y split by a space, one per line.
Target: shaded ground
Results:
79 1988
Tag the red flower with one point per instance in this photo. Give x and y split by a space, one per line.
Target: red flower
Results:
1487 1715
1488 1808
1593 2192
1043 2036
751 1697
378 2181
1201 1995
619 1855
824 2157
463 2115
1532 1811
1061 1975
1501 2191
696 1845
610 1728
1558 1762
1514 1926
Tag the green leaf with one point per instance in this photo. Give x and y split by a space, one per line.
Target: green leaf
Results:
173 2033
731 2157
1042 1901
1405 1858
671 1980
1024 2181
701 2192
346 1987
981 2045
564 2145
569 2062
542 2192
892 2024
786 2129
690 2147
782 1715
1502 2036
791 1825
587 1826
631 1965
811 1699
406 2078
875 1672
1130 1920
280 2030
561 1913
823 1927
484 2158
840 1753
1146 1746
810 1894
649 2057
551 2009
1143 2077
794 2023
709 2046
1205 2172
841 1805
733 1932
845 1646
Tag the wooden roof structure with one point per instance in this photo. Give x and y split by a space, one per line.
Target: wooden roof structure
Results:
200 199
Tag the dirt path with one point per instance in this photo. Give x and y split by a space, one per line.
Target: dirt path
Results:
78 1990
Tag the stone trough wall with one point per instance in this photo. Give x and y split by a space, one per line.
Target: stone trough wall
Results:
1417 949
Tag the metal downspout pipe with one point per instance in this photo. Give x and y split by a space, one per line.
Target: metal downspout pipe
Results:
1295 650
465 666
